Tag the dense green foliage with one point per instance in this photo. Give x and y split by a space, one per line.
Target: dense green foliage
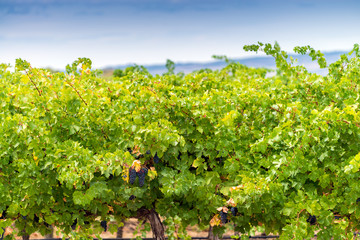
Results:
280 148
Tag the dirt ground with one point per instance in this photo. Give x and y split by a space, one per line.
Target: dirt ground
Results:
129 230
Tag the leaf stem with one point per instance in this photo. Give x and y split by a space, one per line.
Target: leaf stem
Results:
76 91
33 83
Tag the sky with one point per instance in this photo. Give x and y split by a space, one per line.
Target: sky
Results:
54 33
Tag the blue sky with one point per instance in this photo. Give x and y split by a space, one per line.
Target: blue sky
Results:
111 32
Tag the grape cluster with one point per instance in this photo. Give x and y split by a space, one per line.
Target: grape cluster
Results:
156 158
46 224
234 211
223 216
142 174
311 219
132 175
73 226
36 218
3 215
104 225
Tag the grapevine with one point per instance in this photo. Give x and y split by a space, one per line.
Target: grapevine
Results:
279 151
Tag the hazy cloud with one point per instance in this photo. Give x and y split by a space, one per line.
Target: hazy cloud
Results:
145 31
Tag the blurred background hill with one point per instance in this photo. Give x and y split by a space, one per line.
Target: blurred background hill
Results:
257 61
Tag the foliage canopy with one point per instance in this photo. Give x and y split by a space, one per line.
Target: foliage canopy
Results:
280 148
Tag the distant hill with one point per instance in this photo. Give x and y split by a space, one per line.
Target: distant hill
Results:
264 62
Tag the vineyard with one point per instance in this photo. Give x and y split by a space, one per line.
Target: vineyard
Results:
237 146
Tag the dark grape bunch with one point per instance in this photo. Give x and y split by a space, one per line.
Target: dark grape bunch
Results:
234 211
357 200
132 197
3 215
223 216
132 175
46 224
73 226
311 219
104 225
156 158
36 218
129 150
142 174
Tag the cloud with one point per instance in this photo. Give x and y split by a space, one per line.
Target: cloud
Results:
152 30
